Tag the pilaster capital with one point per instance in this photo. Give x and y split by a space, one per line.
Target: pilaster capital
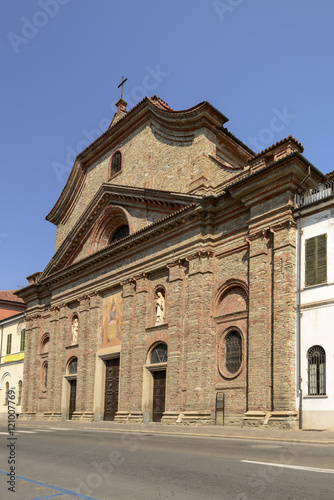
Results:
177 269
141 282
129 287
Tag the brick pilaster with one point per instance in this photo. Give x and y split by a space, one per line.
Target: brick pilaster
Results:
176 313
125 379
259 330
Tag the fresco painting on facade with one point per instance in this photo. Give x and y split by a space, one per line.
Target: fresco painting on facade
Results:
112 320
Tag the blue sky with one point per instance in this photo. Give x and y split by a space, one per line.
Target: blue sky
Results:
62 61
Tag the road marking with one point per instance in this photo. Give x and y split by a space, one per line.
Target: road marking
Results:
26 432
61 490
286 466
39 430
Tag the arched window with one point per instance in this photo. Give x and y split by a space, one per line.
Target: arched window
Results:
20 392
159 354
45 375
116 163
120 233
233 349
73 366
6 394
316 357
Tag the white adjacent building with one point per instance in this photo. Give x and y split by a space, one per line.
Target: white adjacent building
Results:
315 307
12 339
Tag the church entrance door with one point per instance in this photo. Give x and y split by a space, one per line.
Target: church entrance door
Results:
73 396
111 391
159 394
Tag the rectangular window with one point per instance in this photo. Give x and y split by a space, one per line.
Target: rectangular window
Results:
9 343
22 343
316 260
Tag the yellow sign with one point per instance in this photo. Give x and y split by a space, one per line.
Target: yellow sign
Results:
13 357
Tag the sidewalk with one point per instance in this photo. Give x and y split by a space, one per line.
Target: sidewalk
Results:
298 436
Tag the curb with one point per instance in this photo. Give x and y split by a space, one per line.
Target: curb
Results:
257 438
76 425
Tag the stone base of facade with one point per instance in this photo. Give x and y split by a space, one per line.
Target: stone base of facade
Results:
122 417
29 415
255 418
77 415
56 415
135 417
197 418
230 420
283 420
88 416
273 419
171 417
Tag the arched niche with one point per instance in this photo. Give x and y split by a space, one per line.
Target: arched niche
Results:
231 298
44 344
160 305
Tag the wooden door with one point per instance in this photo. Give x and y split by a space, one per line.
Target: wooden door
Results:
159 394
73 396
111 391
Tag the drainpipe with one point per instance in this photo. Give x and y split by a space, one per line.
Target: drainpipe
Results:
298 305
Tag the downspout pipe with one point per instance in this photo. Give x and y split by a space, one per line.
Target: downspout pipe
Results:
298 303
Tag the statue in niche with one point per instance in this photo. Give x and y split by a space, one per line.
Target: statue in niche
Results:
160 309
75 328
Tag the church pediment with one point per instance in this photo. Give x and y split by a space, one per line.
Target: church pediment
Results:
115 213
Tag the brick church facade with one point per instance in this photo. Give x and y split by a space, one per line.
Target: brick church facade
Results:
173 278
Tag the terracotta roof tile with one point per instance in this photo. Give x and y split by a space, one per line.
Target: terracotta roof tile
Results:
159 103
9 296
279 143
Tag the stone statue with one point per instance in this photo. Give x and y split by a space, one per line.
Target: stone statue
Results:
75 328
160 308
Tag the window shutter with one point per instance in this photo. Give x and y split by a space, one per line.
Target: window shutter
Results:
9 343
310 267
322 258
22 343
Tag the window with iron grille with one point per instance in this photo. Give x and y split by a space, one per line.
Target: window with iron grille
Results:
73 366
159 354
116 163
316 260
22 342
9 344
316 371
233 350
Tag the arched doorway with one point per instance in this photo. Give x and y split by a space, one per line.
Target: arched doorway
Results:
156 368
72 369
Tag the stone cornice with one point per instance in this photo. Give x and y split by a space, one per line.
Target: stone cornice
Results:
105 195
172 221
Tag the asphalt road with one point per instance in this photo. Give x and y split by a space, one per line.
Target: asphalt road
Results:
68 463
